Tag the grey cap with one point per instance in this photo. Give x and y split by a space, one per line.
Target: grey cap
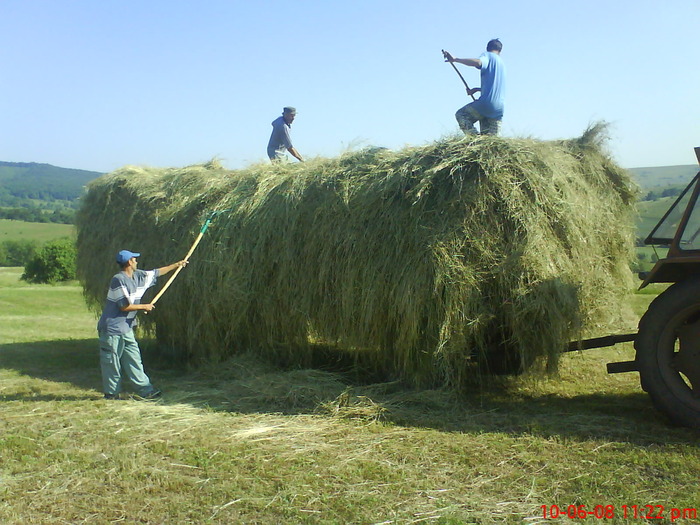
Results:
289 109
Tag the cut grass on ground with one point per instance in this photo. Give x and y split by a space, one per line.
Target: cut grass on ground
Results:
246 442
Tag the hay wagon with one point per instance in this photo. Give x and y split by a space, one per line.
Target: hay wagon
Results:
429 264
667 342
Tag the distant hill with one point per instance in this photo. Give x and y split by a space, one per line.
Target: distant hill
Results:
43 182
32 185
660 189
664 176
32 180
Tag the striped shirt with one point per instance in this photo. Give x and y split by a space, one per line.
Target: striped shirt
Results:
123 291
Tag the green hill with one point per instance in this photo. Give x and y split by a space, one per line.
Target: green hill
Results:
663 176
660 188
30 181
650 213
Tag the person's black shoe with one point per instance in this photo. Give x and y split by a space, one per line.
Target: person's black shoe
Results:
111 396
151 396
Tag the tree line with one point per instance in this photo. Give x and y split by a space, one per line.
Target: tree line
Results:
656 195
59 216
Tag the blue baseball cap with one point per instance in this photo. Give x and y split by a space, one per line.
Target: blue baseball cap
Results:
124 256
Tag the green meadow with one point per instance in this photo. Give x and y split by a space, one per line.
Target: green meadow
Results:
11 230
650 213
245 441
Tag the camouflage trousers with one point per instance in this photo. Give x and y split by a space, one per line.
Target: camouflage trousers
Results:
468 116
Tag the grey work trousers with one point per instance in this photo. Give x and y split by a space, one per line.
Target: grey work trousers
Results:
122 353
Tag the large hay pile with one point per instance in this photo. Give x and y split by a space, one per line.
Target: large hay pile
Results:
414 261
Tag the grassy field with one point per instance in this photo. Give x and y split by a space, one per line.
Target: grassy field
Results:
33 231
650 213
246 442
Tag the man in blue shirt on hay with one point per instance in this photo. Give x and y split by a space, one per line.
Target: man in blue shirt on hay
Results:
280 140
488 108
118 346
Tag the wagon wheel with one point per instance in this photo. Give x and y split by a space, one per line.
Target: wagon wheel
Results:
668 352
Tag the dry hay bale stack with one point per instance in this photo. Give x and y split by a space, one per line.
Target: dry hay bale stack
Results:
416 262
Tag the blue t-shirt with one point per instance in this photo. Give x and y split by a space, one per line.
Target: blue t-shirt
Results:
493 76
123 291
280 140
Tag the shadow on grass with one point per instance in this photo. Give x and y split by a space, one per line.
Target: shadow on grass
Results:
71 361
247 385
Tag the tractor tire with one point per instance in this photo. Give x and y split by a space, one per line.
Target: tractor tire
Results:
668 352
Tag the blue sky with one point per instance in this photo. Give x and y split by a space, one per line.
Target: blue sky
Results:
98 84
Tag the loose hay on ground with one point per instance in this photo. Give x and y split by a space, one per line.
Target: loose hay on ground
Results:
412 262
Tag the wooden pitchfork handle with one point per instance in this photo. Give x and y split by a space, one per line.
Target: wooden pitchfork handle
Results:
177 271
189 254
445 54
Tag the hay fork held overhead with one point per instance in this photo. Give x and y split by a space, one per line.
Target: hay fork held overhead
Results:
202 231
447 58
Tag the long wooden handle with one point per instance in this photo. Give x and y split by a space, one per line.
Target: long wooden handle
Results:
189 253
460 74
177 271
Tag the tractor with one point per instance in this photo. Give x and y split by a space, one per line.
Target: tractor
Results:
667 343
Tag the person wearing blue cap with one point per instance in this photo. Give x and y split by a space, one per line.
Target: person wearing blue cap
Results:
119 350
280 140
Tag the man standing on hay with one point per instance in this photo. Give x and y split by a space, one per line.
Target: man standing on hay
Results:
280 140
488 108
118 346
